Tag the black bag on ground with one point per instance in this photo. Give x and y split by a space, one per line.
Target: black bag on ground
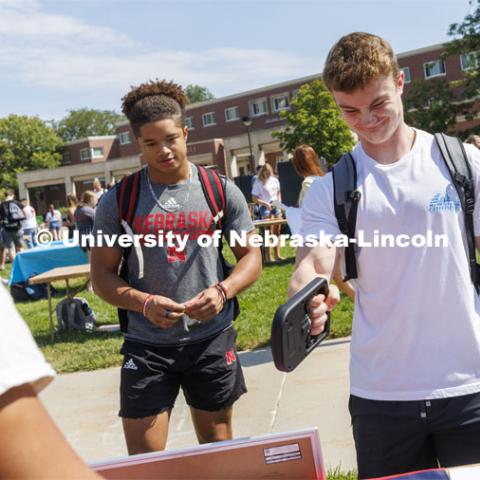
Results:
291 340
23 291
75 314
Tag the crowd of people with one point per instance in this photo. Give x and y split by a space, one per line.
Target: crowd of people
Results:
412 405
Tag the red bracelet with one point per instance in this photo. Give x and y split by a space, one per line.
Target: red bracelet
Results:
145 304
221 293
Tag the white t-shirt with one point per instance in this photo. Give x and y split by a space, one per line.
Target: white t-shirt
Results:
20 359
416 326
30 217
268 191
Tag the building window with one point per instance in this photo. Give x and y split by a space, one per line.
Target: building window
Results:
97 152
468 61
189 123
85 154
280 102
295 94
434 69
232 114
125 138
66 158
89 153
209 119
406 72
258 107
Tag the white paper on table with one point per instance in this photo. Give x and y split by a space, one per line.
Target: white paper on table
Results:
294 218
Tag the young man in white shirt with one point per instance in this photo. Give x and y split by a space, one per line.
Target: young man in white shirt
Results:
415 352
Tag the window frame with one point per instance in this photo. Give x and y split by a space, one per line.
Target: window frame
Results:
209 124
121 135
255 101
237 118
275 97
425 65
405 70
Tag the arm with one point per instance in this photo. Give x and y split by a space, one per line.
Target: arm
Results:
114 290
345 287
311 263
32 446
208 303
258 201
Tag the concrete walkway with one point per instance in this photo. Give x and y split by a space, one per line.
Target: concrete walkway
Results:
85 406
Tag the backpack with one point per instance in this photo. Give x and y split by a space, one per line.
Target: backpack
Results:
213 187
346 198
12 214
75 314
23 291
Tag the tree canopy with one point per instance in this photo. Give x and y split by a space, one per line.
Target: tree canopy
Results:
197 93
314 119
26 143
87 122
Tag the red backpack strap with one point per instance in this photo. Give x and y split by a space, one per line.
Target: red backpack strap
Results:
214 190
127 196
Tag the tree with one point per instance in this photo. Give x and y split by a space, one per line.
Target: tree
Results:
314 119
196 93
466 40
87 122
432 106
26 143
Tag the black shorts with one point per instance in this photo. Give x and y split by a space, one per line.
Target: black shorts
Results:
209 373
397 437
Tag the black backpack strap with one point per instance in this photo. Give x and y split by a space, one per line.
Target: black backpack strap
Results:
214 189
127 192
456 160
345 200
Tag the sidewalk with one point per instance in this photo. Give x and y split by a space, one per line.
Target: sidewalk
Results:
85 406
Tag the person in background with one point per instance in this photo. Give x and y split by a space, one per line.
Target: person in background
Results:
85 213
32 445
266 194
98 189
70 217
474 140
11 217
29 225
307 165
53 218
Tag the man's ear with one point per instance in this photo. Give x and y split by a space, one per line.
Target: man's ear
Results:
401 81
185 132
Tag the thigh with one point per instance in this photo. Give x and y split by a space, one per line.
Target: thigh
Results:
213 426
148 434
457 430
390 438
148 385
214 381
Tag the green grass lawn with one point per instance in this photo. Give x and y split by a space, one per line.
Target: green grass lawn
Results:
77 351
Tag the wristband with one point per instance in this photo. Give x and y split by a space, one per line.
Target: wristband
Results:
147 300
224 289
221 292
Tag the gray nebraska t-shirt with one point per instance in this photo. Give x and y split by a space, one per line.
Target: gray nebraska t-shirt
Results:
167 271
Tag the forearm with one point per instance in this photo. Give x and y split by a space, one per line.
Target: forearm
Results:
247 270
116 291
32 445
311 263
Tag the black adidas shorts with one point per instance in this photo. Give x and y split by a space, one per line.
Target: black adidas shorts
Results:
209 373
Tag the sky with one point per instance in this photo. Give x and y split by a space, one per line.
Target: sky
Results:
61 55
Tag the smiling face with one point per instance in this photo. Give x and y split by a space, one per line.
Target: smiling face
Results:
164 146
375 112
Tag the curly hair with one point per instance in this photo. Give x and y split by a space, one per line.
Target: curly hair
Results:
357 59
152 101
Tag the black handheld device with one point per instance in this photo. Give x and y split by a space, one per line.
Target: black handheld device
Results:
291 340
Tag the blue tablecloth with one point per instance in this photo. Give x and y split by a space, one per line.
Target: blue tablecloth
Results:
41 259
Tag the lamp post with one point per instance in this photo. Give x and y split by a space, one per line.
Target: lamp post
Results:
247 121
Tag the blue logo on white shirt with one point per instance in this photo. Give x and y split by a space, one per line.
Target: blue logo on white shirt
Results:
448 202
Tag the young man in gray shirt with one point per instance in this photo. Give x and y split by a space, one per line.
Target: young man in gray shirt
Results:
180 331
